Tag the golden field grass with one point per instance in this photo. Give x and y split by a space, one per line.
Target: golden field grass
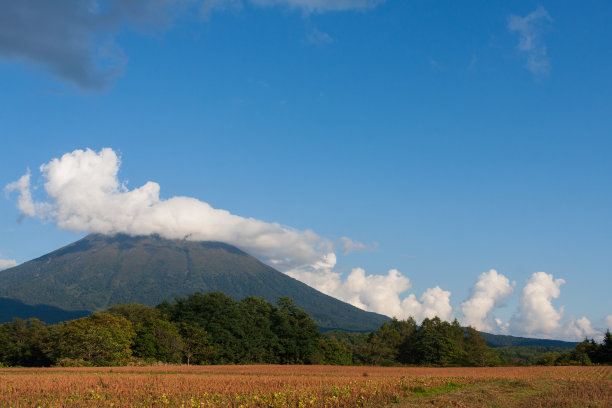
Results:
306 386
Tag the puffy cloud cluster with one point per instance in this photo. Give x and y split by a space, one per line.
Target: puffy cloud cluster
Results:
581 328
489 292
7 263
379 293
434 302
75 40
84 194
530 29
536 314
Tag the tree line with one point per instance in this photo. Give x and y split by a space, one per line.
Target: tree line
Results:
209 328
213 328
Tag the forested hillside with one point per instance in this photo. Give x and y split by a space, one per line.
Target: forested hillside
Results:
213 328
100 271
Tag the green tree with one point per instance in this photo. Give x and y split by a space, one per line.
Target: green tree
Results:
548 359
335 353
220 316
24 343
439 342
197 348
260 341
297 332
100 339
605 350
156 338
477 353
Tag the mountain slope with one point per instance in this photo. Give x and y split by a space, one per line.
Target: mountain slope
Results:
501 340
99 271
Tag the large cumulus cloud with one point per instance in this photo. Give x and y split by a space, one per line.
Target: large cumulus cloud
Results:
489 292
84 194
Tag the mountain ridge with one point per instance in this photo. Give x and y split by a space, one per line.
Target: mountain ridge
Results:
99 271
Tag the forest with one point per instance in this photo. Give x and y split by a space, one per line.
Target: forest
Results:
213 328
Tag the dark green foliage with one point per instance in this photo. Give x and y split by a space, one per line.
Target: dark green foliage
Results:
98 271
212 328
217 314
591 352
392 343
298 335
439 343
334 353
156 338
249 331
24 343
100 339
605 350
435 342
501 340
476 351
526 355
197 348
260 339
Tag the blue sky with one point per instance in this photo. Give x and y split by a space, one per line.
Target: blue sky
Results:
443 140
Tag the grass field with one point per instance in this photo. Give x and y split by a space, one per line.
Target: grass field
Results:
306 386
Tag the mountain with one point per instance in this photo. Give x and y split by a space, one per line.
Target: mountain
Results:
500 340
10 308
99 271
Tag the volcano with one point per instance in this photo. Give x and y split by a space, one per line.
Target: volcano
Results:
99 271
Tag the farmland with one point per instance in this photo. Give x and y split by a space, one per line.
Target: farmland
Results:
305 386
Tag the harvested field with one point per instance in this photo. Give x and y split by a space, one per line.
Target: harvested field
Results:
305 386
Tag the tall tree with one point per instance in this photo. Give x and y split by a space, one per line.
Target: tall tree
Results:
100 339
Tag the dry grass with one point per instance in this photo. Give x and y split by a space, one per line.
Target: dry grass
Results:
305 386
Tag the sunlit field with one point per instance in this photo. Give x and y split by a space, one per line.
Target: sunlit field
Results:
305 386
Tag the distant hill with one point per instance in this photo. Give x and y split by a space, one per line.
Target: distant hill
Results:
99 271
499 340
10 308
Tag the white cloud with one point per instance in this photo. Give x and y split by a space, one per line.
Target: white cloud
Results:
24 201
321 6
84 194
434 302
7 263
349 245
317 37
378 293
580 329
609 322
536 314
75 40
490 290
530 29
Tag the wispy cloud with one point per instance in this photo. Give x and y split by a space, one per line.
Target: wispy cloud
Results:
321 6
76 40
530 30
317 37
349 245
7 263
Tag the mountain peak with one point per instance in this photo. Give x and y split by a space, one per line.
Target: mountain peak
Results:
99 271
